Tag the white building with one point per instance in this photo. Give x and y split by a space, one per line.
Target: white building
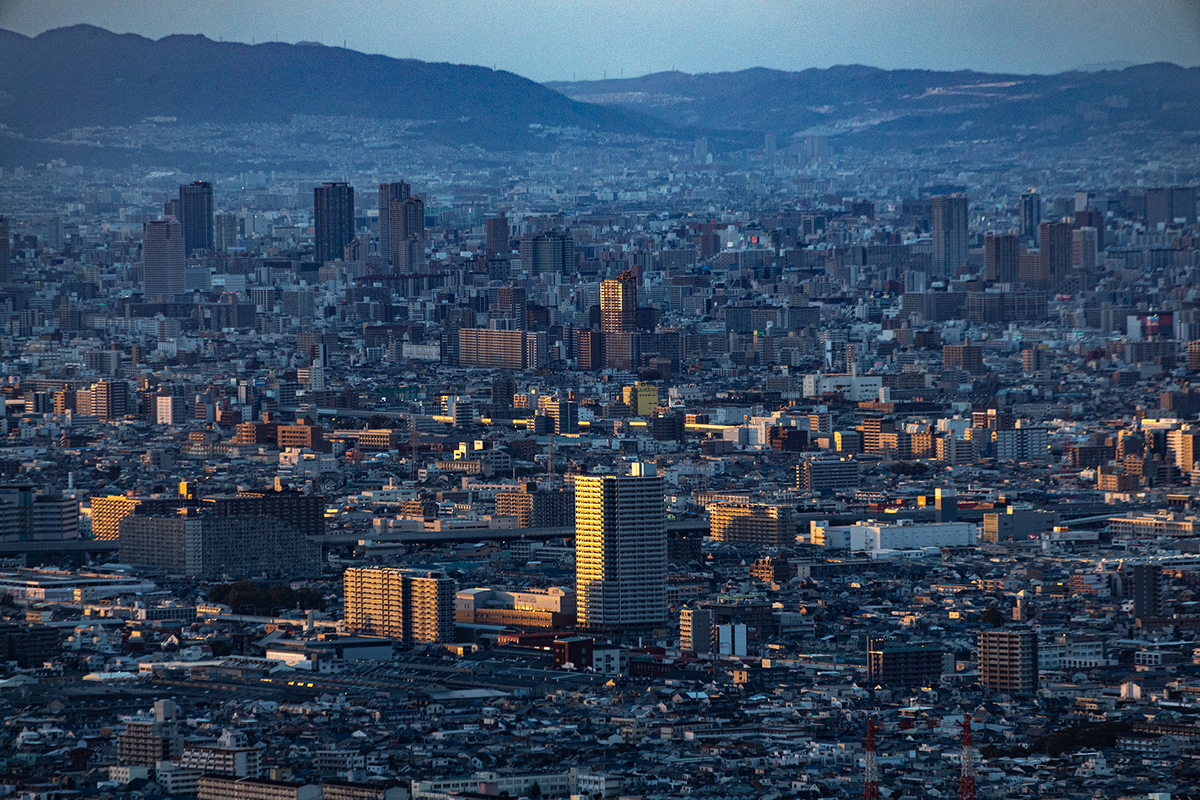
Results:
900 535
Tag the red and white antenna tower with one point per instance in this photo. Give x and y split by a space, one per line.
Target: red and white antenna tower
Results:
966 784
871 786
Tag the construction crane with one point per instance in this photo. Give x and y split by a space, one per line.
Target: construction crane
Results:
966 784
871 784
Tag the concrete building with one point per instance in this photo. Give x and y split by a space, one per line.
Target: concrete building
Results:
752 523
164 259
1008 661
620 551
412 607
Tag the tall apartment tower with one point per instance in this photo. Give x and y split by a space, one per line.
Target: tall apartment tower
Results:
226 232
1054 255
388 194
333 220
1008 661
1001 258
164 259
618 304
196 216
1147 591
948 218
410 606
5 248
497 242
620 551
1031 213
408 235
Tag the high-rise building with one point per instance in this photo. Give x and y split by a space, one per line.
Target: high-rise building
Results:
1001 258
408 235
497 241
151 738
620 551
26 515
618 304
1169 204
333 220
110 400
827 475
1008 661
5 248
1054 255
196 216
226 232
948 219
107 512
752 523
388 194
483 347
903 665
536 508
1147 591
202 543
164 259
410 606
967 357
548 253
1031 214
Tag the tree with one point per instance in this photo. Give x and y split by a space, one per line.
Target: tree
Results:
993 617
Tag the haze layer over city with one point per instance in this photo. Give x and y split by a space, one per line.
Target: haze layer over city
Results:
425 401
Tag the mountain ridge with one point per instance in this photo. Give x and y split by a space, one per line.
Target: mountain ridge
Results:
119 79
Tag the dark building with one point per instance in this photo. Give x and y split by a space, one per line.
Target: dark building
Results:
5 248
1054 255
903 665
1169 204
497 240
967 356
1031 214
1008 661
333 220
1001 258
29 646
548 253
1147 591
388 194
408 235
949 223
196 216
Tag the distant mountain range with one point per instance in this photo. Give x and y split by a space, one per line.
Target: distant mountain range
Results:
913 107
85 76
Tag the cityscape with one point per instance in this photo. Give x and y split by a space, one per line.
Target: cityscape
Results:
376 428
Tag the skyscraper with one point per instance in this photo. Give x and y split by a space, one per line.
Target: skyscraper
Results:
618 304
408 235
497 235
948 217
1147 591
410 606
548 253
333 217
1054 255
1008 661
1031 213
164 260
226 232
5 245
196 216
1001 258
388 194
620 551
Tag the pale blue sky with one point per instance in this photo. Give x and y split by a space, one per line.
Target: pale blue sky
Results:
560 39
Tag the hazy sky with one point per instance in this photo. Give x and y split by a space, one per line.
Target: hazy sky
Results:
559 39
